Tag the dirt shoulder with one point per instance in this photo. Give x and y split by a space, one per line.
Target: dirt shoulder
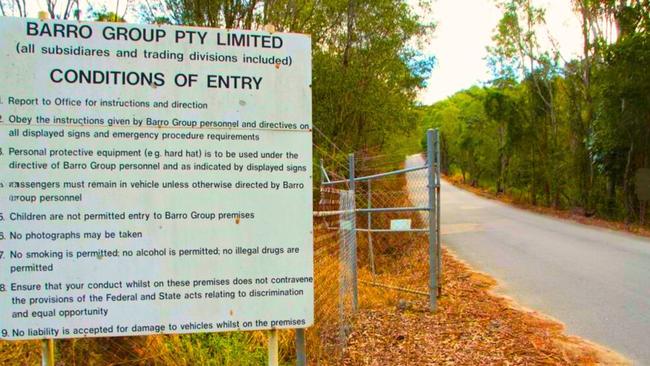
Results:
472 326
563 214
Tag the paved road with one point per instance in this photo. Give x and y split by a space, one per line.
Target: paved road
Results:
595 281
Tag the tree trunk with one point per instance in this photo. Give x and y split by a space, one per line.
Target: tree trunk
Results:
628 198
350 29
587 19
533 189
611 195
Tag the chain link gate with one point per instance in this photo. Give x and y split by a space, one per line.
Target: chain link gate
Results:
389 213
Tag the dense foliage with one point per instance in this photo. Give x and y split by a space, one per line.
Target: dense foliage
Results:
563 134
366 72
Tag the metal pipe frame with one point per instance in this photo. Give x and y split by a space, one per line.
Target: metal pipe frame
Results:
371 250
392 209
435 251
368 210
330 213
377 176
324 177
393 231
388 174
438 205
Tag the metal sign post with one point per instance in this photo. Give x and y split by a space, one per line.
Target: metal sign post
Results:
47 352
274 359
301 348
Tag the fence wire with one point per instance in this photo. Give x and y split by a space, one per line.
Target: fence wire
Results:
333 274
361 249
387 239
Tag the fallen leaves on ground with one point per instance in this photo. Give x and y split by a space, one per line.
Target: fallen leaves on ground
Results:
472 326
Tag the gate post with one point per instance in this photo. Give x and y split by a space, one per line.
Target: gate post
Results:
433 237
438 241
353 235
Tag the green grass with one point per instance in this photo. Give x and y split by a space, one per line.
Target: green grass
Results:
232 349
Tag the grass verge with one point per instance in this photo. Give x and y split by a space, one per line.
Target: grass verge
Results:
232 349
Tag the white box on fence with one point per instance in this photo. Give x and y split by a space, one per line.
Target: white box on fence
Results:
400 225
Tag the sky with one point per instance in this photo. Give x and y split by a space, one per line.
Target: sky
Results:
464 30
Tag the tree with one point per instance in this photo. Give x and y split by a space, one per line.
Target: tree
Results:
13 7
501 108
516 54
70 8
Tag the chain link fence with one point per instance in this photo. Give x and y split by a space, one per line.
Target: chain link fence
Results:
369 222
333 274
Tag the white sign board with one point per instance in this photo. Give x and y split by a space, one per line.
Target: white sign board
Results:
153 179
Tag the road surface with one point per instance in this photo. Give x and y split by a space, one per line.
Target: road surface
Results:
596 281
